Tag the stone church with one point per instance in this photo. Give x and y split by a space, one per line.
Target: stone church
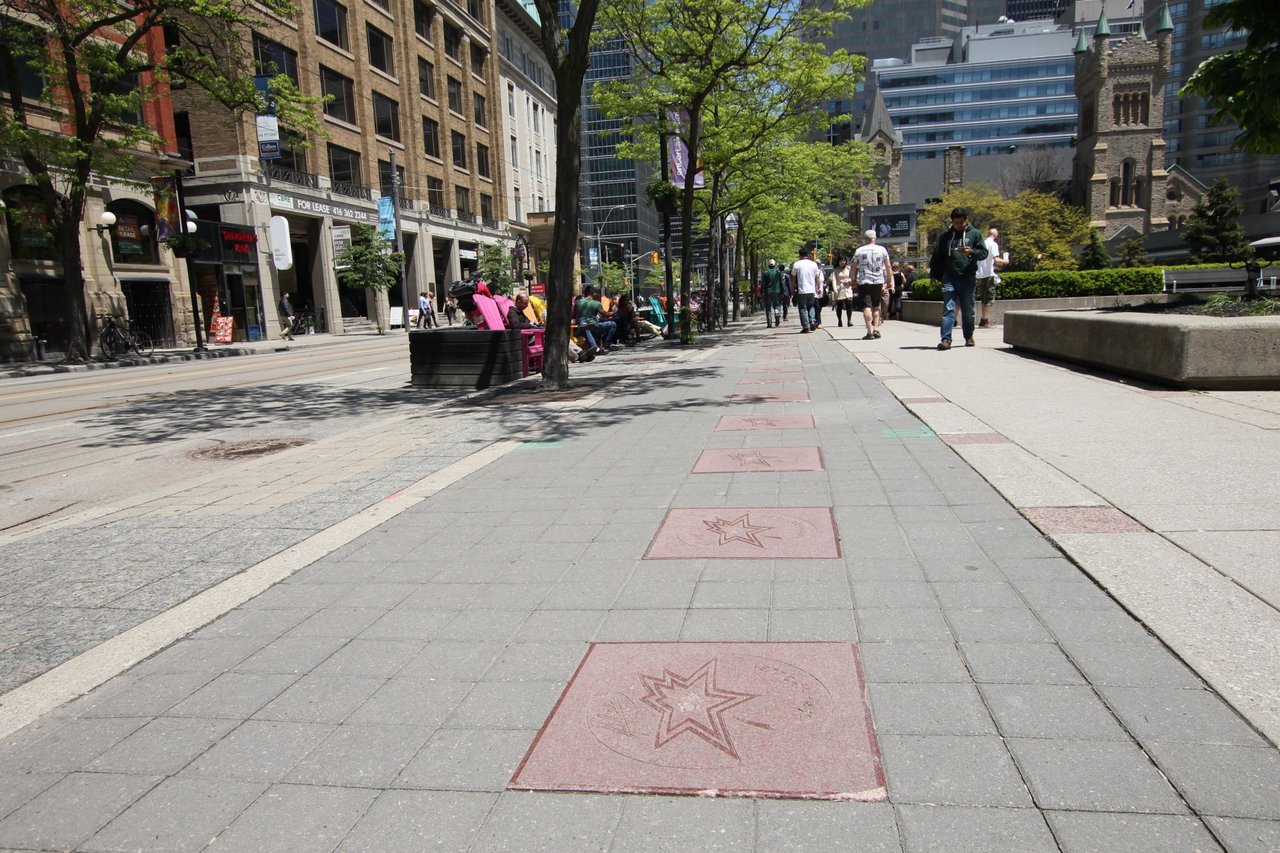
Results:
1120 178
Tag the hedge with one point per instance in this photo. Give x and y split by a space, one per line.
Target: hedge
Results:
1052 284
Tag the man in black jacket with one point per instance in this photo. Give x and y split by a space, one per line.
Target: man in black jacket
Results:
955 264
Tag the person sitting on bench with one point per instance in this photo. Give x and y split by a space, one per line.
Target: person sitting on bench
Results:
598 331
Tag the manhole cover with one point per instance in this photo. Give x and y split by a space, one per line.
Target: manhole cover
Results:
249 449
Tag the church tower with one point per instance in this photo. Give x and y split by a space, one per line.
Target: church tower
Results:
885 144
1120 178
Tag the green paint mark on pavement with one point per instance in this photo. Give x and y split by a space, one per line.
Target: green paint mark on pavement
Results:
539 444
922 432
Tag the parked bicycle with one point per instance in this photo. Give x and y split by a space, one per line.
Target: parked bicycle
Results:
116 340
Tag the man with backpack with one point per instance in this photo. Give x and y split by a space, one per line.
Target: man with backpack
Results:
955 264
772 285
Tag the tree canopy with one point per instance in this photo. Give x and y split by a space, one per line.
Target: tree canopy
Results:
1039 230
368 262
1213 230
1241 84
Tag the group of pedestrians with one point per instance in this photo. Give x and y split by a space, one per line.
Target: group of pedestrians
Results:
963 260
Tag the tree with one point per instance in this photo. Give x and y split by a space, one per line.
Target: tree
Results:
1213 230
494 268
687 53
1241 84
1133 253
368 261
1094 256
101 65
569 57
1039 230
612 279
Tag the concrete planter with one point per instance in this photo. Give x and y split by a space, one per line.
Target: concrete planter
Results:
464 358
930 312
1179 350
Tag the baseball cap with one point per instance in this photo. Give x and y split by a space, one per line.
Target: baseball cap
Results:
772 262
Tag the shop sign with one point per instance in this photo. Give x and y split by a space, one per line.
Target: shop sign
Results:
467 254
238 244
323 208
268 137
537 288
341 242
128 233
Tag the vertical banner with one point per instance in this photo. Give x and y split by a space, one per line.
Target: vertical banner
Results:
678 152
164 190
268 125
341 242
387 220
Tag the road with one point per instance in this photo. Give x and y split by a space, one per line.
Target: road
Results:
68 439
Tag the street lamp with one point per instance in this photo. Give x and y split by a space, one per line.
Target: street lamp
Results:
600 231
188 227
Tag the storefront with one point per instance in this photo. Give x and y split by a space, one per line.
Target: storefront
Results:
228 282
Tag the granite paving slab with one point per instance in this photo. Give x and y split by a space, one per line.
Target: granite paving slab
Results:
760 533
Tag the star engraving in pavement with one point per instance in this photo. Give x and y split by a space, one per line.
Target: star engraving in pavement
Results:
762 422
695 704
751 457
739 529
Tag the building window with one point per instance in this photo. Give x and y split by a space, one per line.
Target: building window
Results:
271 57
479 110
386 117
475 8
455 94
435 195
384 177
1127 189
519 207
459 150
30 81
344 165
381 51
515 155
384 5
537 163
486 208
453 41
431 137
511 100
341 94
462 196
133 237
482 160
422 15
478 55
293 153
426 78
331 22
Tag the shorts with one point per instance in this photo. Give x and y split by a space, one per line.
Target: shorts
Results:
987 290
868 296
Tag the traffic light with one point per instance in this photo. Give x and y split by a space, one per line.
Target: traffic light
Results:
653 258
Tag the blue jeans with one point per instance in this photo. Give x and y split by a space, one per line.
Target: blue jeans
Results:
961 289
772 308
805 303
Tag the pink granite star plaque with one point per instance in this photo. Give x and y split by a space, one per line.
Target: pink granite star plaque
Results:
735 461
739 423
711 719
746 533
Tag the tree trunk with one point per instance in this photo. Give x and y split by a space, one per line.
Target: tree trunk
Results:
564 242
65 216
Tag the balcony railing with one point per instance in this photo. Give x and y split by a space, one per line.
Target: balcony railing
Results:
352 190
490 223
437 210
291 176
466 216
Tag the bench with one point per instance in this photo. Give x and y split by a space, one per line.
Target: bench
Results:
1222 280
458 357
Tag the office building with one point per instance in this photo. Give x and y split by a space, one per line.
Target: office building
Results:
885 29
1003 92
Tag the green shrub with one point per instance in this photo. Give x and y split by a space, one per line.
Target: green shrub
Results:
1057 284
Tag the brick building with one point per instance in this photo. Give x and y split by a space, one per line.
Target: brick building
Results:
126 272
412 80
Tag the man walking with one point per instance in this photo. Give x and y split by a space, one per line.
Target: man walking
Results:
987 275
955 264
873 273
806 274
426 314
771 284
285 307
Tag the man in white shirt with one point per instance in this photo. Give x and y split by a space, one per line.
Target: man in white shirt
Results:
872 271
987 275
806 274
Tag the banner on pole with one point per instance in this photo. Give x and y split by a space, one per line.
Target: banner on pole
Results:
164 190
678 152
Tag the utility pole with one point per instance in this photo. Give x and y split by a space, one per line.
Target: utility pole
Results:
395 216
666 230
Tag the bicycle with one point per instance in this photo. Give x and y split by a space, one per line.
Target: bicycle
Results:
116 340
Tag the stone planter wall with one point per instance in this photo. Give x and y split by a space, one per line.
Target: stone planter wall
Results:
1178 350
930 312
464 358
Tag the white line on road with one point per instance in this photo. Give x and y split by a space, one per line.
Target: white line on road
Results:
348 373
5 435
26 704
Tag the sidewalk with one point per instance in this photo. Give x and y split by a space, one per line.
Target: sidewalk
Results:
798 593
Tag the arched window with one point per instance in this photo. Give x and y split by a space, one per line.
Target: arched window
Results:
1127 184
1116 106
29 236
133 237
1114 184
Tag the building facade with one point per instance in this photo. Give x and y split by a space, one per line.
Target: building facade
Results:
413 97
126 271
887 29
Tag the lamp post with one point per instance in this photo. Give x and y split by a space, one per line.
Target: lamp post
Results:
188 226
600 233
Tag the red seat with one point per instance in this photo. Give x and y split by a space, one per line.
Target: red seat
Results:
531 351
